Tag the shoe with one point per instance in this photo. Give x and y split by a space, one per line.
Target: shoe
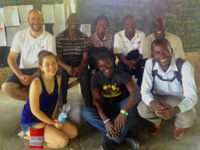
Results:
107 144
132 141
155 129
178 133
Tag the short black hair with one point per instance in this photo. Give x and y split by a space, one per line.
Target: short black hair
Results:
128 17
161 40
97 53
101 17
73 15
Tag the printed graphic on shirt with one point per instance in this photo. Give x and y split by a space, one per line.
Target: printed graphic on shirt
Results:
111 90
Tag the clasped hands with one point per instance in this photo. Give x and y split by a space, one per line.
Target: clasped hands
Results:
115 128
75 72
163 110
132 64
26 79
57 124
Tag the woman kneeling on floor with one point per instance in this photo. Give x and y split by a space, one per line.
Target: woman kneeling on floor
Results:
41 108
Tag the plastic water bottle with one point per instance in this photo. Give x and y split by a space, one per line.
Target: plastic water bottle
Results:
63 115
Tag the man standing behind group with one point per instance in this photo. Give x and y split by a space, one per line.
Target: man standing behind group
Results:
127 45
28 43
72 48
159 27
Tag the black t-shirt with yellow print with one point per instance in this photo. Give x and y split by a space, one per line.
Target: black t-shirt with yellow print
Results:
112 88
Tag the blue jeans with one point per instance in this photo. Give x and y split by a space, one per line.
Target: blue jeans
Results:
91 115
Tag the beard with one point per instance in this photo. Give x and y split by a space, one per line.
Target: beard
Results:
36 30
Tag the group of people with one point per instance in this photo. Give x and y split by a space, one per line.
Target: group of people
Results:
165 82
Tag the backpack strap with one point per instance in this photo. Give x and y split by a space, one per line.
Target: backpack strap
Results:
154 73
179 64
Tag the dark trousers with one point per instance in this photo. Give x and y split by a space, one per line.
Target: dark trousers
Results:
138 72
85 86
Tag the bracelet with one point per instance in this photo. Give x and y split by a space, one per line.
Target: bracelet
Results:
106 121
124 112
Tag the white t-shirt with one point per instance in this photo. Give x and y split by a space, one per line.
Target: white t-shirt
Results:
29 47
123 45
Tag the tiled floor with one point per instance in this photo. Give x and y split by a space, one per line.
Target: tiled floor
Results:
89 137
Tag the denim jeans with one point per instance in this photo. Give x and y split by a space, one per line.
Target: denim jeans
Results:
91 115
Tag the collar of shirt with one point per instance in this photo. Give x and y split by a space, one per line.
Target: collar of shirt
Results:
133 38
104 38
67 35
166 35
35 39
172 66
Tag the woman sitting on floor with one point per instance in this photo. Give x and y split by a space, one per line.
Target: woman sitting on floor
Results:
41 108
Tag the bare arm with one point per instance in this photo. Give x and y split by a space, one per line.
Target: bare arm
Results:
81 67
12 57
68 68
124 60
96 94
134 96
56 108
34 96
132 101
24 79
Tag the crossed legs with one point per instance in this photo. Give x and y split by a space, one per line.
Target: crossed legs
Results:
56 138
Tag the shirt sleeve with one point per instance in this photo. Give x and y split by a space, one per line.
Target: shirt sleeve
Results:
86 45
59 48
125 77
15 47
94 82
147 83
178 50
189 88
52 46
146 48
117 44
91 40
142 39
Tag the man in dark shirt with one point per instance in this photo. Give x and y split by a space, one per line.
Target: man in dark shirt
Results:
114 95
72 49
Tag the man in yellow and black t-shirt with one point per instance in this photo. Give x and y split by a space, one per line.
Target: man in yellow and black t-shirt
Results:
114 95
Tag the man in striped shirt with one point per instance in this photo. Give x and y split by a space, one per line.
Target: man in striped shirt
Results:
72 48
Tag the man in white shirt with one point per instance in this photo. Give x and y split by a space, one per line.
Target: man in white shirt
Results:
28 43
127 48
159 27
164 95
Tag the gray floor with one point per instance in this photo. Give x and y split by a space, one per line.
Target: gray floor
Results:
89 137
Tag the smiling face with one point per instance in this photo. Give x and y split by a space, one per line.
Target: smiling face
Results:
105 65
159 28
49 66
101 26
73 22
35 20
129 25
162 54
